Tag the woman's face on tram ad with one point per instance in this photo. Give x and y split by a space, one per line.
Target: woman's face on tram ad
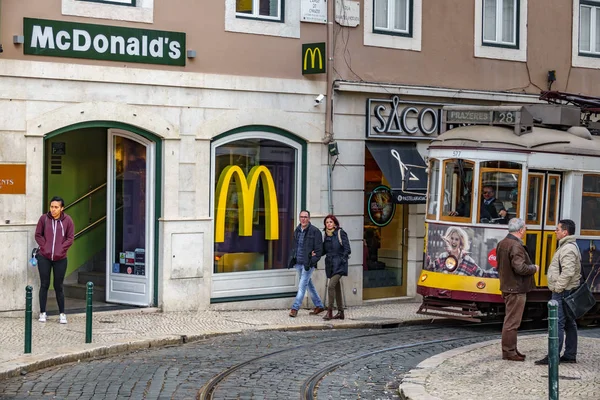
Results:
454 242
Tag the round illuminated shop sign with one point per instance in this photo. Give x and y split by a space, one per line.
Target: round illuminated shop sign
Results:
381 206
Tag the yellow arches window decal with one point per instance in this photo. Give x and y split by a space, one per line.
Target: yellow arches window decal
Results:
246 190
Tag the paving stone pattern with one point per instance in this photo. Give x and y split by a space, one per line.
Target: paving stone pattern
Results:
178 372
473 373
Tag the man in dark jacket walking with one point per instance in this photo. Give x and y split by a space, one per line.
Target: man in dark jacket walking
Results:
306 252
54 234
516 271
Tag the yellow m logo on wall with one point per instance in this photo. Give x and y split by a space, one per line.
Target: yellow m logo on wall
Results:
246 191
313 58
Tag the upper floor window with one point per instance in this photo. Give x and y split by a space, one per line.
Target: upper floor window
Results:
500 22
501 29
134 10
393 17
260 9
118 2
589 29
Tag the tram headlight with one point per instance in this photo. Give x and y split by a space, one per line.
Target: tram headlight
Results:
423 277
451 263
481 285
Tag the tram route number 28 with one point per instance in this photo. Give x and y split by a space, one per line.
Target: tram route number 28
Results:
505 117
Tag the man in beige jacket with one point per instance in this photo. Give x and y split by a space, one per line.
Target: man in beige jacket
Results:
564 276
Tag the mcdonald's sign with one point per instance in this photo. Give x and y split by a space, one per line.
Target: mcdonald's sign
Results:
246 191
313 58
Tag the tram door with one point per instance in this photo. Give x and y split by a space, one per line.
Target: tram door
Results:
542 207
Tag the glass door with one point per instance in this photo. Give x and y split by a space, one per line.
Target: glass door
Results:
130 216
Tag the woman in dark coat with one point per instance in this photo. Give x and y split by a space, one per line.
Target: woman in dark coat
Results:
336 249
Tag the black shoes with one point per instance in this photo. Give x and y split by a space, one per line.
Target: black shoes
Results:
567 360
562 359
543 361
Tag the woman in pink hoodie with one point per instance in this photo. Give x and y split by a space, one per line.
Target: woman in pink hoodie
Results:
54 234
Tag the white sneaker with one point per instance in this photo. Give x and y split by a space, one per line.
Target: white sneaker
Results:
42 317
62 319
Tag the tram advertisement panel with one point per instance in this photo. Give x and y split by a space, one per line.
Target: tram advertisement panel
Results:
458 250
590 261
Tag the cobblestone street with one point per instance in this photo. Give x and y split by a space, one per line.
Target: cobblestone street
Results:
287 360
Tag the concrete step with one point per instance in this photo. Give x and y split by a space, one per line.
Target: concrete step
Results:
78 291
97 278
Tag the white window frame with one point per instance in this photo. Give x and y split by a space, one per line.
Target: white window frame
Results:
142 12
499 26
499 51
288 25
130 3
391 20
584 59
255 14
393 40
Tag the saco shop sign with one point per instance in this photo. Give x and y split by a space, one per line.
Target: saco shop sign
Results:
393 118
246 192
102 42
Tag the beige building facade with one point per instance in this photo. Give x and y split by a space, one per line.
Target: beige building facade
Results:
153 119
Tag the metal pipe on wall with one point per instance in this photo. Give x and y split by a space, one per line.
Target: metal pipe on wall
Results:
329 99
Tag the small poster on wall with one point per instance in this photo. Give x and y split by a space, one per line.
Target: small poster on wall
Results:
314 11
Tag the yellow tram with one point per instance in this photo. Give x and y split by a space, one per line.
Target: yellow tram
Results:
538 162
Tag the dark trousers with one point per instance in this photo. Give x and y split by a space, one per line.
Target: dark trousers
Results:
59 269
335 287
515 304
566 326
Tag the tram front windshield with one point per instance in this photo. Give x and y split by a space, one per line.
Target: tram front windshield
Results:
498 191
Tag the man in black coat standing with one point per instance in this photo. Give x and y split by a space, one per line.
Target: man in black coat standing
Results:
306 252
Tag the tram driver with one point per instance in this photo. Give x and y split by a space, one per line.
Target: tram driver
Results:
492 209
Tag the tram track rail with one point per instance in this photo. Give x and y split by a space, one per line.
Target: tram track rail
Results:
309 386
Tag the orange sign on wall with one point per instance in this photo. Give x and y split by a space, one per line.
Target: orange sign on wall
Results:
12 178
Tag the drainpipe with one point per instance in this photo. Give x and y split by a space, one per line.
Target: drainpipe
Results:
0 26
329 98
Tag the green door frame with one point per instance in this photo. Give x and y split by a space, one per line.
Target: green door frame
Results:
158 176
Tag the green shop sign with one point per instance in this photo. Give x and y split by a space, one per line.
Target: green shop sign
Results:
101 42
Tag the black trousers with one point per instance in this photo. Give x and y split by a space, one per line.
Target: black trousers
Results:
59 268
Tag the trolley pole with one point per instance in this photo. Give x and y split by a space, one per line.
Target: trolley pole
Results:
88 313
28 313
553 350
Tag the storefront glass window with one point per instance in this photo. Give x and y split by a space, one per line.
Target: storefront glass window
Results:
255 191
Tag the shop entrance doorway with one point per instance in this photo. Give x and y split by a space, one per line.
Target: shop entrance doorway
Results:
106 177
385 236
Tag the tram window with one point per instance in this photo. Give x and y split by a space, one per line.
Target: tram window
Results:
534 199
458 188
553 187
433 192
499 189
590 204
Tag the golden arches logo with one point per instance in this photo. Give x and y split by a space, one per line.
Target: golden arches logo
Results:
246 191
313 54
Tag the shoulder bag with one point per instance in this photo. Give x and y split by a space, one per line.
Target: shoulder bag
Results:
581 300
